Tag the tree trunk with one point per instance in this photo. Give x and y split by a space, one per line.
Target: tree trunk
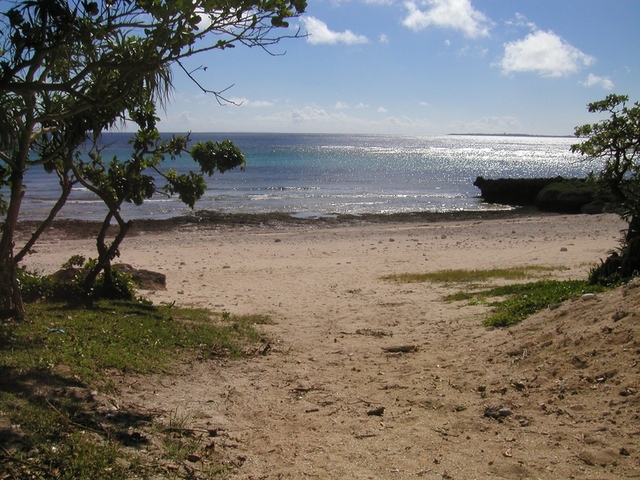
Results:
106 254
631 252
11 305
66 184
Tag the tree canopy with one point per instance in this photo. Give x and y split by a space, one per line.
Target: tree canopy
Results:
71 69
616 141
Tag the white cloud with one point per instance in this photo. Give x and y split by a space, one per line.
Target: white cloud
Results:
382 110
319 33
362 105
454 14
383 38
341 106
308 114
545 53
490 124
424 104
244 102
185 118
521 21
595 81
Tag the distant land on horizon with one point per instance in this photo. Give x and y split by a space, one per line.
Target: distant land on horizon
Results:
510 135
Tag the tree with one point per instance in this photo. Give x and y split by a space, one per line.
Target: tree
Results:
616 141
133 180
69 69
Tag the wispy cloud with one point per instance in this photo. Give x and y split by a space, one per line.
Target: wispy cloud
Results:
454 14
319 33
341 106
244 102
544 53
491 124
595 81
521 21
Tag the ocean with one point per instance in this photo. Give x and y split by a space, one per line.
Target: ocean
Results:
318 174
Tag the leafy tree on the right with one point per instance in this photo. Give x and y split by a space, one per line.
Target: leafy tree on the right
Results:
616 140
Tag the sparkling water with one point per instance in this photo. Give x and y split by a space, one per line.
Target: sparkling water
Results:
337 174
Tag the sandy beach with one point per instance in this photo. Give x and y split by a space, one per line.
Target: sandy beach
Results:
302 410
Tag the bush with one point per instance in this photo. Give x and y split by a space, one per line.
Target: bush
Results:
69 286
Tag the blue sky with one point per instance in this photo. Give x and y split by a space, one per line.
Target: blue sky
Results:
422 67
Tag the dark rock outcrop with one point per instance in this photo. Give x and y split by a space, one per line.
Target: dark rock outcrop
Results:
143 279
556 194
512 191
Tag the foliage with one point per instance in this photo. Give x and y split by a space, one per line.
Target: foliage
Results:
50 364
36 287
616 141
70 70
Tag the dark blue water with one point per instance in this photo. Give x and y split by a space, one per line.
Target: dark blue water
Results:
324 174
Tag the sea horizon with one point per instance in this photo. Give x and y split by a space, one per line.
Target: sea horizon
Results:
326 174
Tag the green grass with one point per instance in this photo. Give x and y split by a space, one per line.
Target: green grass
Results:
523 300
517 301
60 350
121 335
471 276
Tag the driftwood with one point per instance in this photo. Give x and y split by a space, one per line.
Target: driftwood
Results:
401 348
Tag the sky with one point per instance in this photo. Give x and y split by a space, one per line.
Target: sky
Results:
421 67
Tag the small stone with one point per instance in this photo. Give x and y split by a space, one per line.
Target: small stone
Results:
376 411
589 296
618 315
563 249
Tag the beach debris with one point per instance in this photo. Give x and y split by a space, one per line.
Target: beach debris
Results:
618 315
373 333
401 348
379 411
496 411
56 330
628 392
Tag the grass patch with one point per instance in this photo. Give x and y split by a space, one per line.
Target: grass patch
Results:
523 300
50 364
121 335
472 276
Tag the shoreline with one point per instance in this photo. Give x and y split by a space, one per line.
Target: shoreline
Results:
205 219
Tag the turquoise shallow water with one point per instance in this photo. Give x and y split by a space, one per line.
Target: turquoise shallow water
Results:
327 174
